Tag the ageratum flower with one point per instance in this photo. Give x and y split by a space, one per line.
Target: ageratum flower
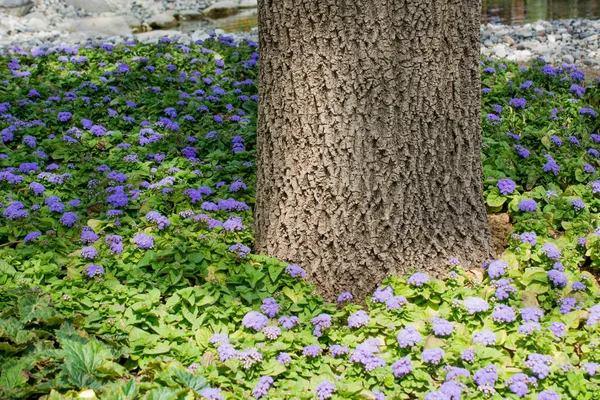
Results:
441 327
262 387
528 205
89 252
143 241
558 278
475 305
255 320
539 364
594 315
484 337
408 337
312 351
270 307
497 268
468 355
528 237
336 350
365 354
518 102
519 384
295 271
551 251
395 302
402 367
506 186
271 332
283 358
433 356
346 296
31 236
418 279
211 394
486 378
578 204
548 395
249 357
358 319
382 294
325 390
68 219
94 270
288 322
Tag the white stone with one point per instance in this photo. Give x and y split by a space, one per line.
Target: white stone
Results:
551 38
93 6
248 3
221 9
100 26
16 7
500 50
153 36
163 21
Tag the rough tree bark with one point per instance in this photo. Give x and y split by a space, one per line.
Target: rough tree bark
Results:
369 138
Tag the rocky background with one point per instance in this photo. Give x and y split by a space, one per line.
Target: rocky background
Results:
38 23
47 23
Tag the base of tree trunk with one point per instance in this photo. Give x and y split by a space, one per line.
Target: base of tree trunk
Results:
369 139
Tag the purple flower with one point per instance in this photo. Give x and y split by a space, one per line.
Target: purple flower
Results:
528 328
395 302
468 355
365 354
591 368
255 320
558 278
288 322
249 357
295 271
89 252
578 204
497 268
31 236
321 321
548 395
37 188
408 337
594 316
531 314
313 351
484 337
519 384
88 236
284 358
517 102
486 378
528 237
418 279
325 390
539 364
578 286
433 356
64 116
475 305
551 251
503 313
441 327
506 186
240 250
336 350
528 205
270 307
262 387
588 111
402 367
226 351
143 241
358 319
160 220
93 270
211 394
522 151
346 296
381 295
558 328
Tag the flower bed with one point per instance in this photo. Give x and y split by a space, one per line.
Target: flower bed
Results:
127 181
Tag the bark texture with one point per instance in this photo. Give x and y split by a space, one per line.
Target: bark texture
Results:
369 138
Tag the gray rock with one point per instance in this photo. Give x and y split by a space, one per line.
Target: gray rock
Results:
508 40
248 3
93 6
16 7
133 22
221 9
163 21
35 22
153 36
500 51
189 15
100 26
569 59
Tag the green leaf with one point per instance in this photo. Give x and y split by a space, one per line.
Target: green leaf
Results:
494 200
160 348
274 272
32 307
273 368
147 259
6 268
189 380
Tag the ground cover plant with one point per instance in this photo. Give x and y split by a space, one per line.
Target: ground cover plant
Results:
127 181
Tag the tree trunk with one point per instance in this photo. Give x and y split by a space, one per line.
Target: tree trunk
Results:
369 138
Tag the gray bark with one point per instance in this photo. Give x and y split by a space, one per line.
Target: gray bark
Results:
369 138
